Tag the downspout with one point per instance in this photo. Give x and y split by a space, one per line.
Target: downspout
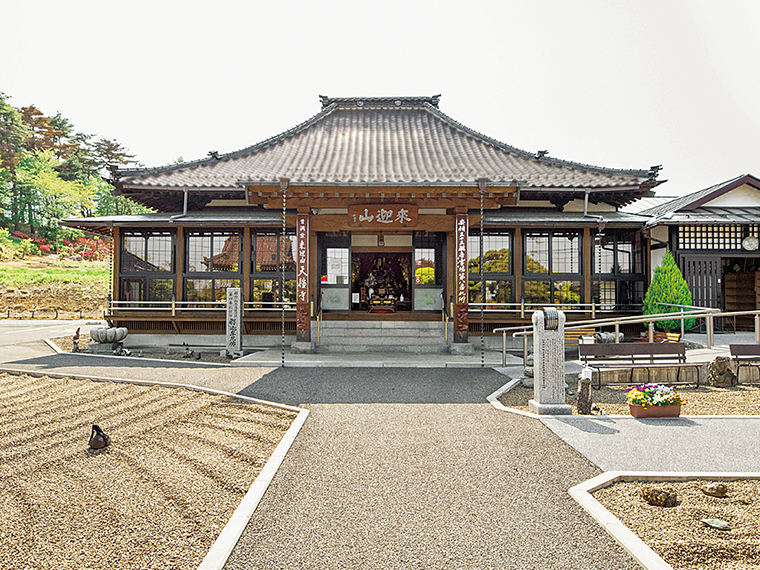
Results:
184 209
601 222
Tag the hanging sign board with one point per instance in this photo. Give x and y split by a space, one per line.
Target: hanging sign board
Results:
461 259
382 216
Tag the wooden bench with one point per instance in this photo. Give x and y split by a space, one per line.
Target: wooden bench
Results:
600 357
660 337
745 355
573 336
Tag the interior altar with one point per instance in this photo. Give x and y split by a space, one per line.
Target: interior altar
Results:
382 283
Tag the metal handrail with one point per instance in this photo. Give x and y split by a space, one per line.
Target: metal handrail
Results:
577 307
319 317
708 313
193 306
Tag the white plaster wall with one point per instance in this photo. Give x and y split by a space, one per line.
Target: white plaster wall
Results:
742 197
659 233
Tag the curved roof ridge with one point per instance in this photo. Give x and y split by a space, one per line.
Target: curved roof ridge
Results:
236 153
525 154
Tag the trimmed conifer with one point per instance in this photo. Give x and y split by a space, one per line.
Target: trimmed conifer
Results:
667 286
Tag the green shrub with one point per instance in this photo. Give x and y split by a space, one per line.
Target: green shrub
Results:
668 286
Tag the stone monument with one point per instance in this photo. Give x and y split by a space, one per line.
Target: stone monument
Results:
549 363
234 321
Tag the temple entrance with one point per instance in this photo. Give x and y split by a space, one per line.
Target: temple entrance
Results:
381 282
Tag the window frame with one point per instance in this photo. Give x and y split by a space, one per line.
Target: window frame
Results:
210 274
489 276
551 276
620 278
147 277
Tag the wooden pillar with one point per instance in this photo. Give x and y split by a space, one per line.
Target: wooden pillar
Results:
518 264
461 315
303 317
179 263
246 284
587 266
116 245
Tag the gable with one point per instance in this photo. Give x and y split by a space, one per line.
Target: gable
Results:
744 196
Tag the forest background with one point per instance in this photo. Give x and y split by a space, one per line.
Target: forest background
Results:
50 171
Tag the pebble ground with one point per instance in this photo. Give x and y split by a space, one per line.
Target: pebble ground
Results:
411 485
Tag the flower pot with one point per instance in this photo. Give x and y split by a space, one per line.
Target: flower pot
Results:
638 411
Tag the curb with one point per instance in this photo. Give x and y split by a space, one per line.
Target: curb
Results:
636 547
220 551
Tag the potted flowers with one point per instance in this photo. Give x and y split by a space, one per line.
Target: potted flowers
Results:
654 401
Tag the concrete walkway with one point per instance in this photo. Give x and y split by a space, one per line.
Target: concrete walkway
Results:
410 485
689 444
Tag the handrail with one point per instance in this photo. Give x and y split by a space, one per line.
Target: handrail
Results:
444 319
708 313
319 317
191 306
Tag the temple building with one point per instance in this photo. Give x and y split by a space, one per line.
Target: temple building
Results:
375 210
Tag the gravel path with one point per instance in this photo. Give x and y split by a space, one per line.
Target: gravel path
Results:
425 486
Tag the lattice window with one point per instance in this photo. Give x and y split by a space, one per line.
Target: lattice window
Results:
723 236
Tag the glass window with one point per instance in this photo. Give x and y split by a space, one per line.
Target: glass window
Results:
537 292
537 253
424 266
567 292
496 257
565 254
213 264
147 266
496 291
265 252
337 263
618 270
213 251
149 251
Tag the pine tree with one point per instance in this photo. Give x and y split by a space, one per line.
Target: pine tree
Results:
667 286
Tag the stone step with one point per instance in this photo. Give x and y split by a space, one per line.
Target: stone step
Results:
362 333
391 348
379 340
384 325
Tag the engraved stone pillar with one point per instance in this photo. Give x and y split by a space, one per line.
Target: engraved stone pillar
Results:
549 363
234 321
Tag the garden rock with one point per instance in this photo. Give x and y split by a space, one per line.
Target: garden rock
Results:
720 374
660 496
108 335
714 489
716 523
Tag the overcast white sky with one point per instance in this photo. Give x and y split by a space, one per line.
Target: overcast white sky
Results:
615 83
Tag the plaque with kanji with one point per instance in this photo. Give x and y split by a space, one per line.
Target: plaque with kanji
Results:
382 216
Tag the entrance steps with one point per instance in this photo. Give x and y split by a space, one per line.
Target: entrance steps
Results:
381 336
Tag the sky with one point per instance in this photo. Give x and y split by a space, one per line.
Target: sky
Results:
613 83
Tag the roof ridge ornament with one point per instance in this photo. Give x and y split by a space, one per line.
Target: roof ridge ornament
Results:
382 102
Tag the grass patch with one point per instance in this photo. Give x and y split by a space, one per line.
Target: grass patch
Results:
85 273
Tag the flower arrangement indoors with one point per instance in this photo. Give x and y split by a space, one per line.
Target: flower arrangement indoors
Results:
654 400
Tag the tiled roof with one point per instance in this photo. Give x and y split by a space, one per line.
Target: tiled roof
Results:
395 141
549 217
748 215
690 199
